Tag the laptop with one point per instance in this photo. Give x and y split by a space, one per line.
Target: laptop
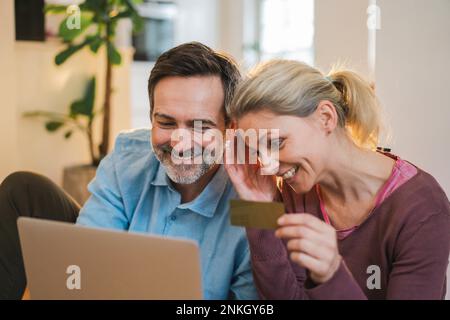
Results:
67 261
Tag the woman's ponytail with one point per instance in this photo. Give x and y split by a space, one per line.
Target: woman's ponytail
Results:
360 106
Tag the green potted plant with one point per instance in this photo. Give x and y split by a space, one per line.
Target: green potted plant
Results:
98 20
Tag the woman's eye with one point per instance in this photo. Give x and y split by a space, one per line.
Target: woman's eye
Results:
276 143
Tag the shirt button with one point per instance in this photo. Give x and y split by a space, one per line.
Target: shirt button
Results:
173 218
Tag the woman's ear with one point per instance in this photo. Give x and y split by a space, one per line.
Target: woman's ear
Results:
232 124
327 115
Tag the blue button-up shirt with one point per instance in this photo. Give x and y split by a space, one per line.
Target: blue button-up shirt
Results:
131 191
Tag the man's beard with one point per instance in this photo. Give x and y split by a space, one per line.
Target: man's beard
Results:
180 173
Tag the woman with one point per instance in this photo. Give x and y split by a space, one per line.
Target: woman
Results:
362 224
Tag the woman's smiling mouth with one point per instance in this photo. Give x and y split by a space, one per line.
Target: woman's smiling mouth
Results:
290 173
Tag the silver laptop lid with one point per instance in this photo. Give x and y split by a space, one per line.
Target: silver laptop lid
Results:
66 261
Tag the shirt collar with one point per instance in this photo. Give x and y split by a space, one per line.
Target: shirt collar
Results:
207 201
160 178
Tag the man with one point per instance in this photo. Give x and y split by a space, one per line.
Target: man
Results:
151 181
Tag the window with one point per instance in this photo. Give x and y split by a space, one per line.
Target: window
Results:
287 30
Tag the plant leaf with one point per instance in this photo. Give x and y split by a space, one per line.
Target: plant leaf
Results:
53 125
96 43
136 19
49 115
89 96
85 106
130 4
138 23
94 5
68 34
61 57
77 107
114 55
55 8
123 14
30 114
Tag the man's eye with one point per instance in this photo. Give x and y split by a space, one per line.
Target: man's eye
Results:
202 129
166 124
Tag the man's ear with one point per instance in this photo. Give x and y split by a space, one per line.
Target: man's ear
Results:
327 115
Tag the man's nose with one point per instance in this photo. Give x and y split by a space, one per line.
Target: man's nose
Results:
182 140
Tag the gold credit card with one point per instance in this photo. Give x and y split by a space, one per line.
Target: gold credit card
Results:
251 214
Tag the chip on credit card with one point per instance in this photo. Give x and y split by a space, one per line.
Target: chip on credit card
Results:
252 214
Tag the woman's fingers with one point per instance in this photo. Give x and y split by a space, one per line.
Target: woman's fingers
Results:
305 232
320 270
304 219
233 173
297 232
306 246
312 244
308 262
316 249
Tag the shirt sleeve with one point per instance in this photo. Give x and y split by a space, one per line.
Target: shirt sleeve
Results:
277 277
274 274
418 271
420 264
104 207
242 285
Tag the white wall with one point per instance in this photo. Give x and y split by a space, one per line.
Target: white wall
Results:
231 28
412 75
140 105
340 34
198 20
413 82
411 71
8 127
45 86
29 80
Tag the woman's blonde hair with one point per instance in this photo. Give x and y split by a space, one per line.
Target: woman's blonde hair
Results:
295 88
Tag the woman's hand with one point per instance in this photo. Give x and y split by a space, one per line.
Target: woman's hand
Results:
250 183
312 244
